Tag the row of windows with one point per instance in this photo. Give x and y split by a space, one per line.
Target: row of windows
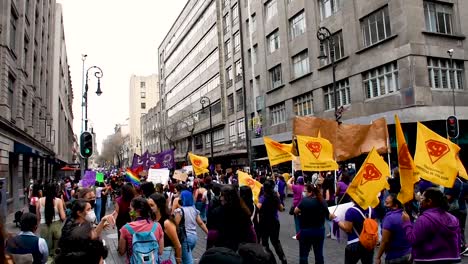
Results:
188 60
195 96
240 129
239 100
193 75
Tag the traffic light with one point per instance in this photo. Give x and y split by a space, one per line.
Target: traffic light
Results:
452 127
86 144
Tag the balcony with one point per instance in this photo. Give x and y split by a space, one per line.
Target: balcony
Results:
238 78
229 83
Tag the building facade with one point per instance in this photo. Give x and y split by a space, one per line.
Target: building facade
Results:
200 68
144 94
391 58
152 130
34 141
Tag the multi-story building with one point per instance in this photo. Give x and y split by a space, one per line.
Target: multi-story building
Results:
144 94
35 138
201 57
391 58
152 130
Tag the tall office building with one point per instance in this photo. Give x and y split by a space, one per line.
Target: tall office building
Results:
391 58
200 67
143 95
36 135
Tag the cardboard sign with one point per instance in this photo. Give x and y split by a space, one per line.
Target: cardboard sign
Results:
187 169
179 175
158 176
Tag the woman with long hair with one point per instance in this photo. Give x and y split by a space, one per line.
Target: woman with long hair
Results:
187 218
230 222
35 195
50 214
312 212
142 221
122 206
297 189
98 187
269 205
435 234
198 197
172 246
246 196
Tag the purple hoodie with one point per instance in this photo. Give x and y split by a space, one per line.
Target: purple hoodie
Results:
434 236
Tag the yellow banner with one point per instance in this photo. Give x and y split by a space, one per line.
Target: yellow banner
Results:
408 175
246 180
316 154
199 163
278 152
369 181
435 157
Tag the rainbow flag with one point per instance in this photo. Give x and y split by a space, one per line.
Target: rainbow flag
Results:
133 177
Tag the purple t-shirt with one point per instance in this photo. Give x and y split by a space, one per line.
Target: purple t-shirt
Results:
343 187
261 200
398 245
356 218
297 194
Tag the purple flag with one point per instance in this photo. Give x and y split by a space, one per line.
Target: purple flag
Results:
89 178
139 160
164 159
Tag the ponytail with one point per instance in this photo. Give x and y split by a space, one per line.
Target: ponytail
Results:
315 189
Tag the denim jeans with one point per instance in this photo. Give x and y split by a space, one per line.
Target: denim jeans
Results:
97 209
187 247
296 223
311 238
168 254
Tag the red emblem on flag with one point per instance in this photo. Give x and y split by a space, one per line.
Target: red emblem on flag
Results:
436 150
404 158
315 148
371 173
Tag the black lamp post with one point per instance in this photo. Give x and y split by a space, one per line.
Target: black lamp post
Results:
324 35
98 74
205 100
452 78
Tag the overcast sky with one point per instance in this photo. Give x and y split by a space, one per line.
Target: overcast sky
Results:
121 37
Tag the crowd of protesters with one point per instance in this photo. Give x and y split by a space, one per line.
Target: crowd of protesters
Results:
159 222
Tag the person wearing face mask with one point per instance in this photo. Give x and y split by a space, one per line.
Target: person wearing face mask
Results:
172 246
82 214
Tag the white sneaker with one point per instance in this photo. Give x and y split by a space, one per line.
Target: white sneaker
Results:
294 237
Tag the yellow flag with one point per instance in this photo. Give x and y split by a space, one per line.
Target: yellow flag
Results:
246 180
316 154
278 152
369 181
199 163
408 176
435 157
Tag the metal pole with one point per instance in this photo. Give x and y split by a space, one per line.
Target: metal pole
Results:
335 96
211 134
453 87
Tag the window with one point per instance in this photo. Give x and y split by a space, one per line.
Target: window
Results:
253 24
218 138
229 76
235 15
225 3
240 100
271 9
275 76
143 95
237 44
337 52
143 105
25 55
142 85
297 25
381 81
33 114
274 41
376 27
343 94
438 17
241 128
300 64
230 100
226 24
198 142
232 131
278 114
328 7
238 71
11 91
303 105
253 56
228 49
442 75
13 24
23 104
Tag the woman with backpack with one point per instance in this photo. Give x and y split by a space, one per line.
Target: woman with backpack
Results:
187 217
312 212
142 239
269 205
172 246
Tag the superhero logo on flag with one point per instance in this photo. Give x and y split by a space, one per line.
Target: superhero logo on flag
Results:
277 145
371 173
250 182
436 150
197 162
315 148
404 158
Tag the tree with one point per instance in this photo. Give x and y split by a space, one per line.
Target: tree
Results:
112 148
182 126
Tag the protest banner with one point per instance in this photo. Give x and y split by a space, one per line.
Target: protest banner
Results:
158 176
